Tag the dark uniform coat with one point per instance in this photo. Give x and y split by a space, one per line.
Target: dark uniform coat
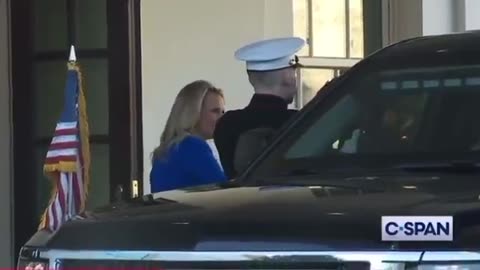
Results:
262 111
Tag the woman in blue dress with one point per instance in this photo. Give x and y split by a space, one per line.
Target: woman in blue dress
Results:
183 158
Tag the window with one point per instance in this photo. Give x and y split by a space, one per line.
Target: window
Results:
335 33
383 119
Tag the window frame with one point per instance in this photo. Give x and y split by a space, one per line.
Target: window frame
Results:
339 64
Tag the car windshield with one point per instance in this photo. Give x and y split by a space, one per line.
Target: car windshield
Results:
384 118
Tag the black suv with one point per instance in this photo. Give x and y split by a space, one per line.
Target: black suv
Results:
379 171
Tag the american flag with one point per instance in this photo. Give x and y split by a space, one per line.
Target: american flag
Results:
68 158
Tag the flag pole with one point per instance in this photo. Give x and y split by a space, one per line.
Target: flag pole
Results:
72 59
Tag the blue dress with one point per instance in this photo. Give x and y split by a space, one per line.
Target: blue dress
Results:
189 163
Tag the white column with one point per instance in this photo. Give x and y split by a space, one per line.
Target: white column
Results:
472 18
446 16
438 17
402 19
410 18
6 196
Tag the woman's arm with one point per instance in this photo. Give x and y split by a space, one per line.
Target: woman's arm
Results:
200 162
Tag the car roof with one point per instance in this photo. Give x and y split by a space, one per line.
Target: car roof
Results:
435 50
463 41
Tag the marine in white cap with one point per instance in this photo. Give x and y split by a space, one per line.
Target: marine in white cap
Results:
271 67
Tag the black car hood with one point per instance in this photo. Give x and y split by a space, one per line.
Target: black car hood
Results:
310 217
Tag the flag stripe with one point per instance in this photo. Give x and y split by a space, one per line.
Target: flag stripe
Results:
62 152
61 197
64 139
67 125
72 197
65 202
63 132
65 145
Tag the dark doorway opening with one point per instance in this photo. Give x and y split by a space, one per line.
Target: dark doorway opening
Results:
106 35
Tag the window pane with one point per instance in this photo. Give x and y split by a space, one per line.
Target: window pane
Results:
49 93
301 24
329 28
91 24
356 28
312 80
50 25
99 190
49 82
95 74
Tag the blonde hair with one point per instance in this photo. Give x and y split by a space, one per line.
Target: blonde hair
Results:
184 115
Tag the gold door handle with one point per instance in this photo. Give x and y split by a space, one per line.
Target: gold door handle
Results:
134 188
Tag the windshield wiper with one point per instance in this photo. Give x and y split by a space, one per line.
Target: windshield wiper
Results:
460 166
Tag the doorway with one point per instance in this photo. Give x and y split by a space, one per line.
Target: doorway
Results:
106 36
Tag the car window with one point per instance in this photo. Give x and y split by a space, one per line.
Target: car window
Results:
387 122
388 116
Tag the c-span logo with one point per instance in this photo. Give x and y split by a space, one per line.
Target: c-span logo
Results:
417 228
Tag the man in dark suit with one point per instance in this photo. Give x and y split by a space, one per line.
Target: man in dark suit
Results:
271 68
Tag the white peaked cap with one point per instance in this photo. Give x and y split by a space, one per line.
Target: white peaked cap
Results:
270 54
